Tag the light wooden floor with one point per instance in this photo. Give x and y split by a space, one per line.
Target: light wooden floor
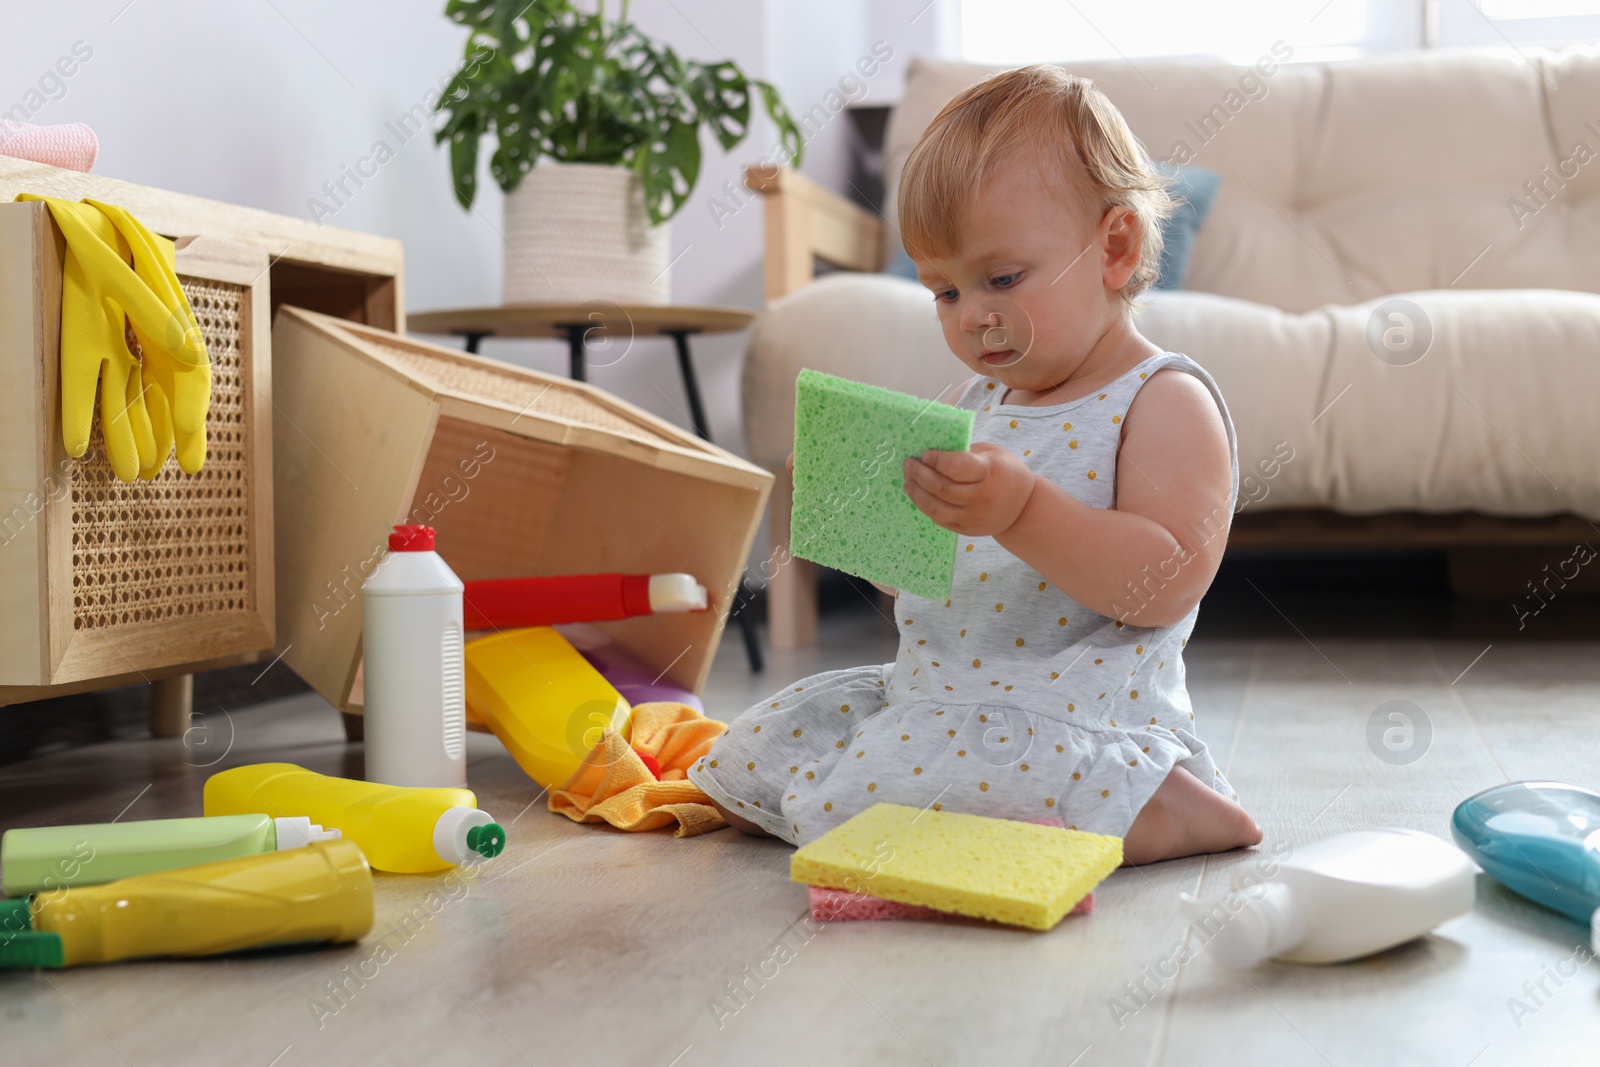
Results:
583 946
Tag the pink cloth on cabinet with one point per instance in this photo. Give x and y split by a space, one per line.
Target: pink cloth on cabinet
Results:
72 145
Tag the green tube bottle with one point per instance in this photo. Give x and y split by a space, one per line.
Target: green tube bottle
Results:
48 858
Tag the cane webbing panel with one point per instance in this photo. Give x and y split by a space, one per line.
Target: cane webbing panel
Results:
177 545
535 398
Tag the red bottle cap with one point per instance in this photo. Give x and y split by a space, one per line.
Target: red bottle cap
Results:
411 538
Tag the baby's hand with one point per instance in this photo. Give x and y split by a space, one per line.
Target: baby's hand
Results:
978 493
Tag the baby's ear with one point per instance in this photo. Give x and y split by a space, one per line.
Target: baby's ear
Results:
1122 242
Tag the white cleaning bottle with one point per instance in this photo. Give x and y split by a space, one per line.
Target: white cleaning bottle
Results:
1340 898
413 676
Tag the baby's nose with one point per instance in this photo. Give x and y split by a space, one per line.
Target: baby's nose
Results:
980 318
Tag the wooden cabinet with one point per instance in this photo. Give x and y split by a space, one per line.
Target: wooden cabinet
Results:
105 584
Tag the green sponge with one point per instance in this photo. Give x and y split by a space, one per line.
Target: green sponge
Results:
850 510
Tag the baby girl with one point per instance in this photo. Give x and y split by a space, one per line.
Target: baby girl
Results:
1091 515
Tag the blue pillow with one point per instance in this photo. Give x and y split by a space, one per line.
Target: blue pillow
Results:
1196 187
900 264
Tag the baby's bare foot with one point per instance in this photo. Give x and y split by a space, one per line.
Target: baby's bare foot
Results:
1186 817
739 822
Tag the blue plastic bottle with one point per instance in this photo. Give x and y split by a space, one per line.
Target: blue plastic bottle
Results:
1541 839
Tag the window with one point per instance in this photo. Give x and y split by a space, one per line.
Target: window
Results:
1549 24
1539 9
1031 31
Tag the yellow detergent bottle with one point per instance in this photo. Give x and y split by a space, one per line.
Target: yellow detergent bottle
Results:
542 699
322 892
402 830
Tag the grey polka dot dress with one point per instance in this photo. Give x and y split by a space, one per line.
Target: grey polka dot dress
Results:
1010 699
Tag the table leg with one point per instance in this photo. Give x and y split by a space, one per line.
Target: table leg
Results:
577 334
474 339
697 410
747 626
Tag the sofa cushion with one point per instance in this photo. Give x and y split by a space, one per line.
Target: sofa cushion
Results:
869 327
1349 181
1496 417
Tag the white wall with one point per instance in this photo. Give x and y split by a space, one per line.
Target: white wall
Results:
260 103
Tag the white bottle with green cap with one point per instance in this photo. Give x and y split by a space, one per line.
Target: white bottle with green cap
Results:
46 858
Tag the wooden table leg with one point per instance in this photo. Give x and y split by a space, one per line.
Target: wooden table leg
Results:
792 582
171 704
697 413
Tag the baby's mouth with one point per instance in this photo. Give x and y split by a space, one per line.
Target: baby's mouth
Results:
999 358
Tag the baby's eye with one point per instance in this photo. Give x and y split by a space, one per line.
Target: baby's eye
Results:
1003 281
946 296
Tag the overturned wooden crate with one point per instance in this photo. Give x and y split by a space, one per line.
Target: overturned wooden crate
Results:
104 583
521 473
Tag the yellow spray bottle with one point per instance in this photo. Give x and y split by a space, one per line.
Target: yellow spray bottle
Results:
402 829
322 892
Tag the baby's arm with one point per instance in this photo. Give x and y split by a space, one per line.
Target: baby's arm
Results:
1149 559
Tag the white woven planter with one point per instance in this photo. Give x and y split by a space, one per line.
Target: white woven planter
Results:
577 232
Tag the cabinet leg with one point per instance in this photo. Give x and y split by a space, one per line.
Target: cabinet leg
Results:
171 704
355 726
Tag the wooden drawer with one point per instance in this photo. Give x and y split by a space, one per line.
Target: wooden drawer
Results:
521 474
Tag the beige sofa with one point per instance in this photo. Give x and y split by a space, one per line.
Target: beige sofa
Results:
1466 182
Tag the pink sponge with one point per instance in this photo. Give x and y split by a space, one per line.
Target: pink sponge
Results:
841 905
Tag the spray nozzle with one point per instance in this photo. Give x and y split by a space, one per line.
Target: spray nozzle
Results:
298 831
1246 927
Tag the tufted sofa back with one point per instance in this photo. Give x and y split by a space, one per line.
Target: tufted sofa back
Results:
1347 181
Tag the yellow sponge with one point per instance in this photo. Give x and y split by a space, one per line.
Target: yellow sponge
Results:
1011 872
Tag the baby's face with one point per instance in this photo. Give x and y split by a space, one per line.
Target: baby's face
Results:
1024 297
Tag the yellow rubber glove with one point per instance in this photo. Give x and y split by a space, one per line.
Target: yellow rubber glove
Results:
110 283
94 350
177 363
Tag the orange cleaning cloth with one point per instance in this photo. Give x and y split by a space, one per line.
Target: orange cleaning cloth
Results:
614 785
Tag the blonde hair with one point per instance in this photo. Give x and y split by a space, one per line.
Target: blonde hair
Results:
1076 137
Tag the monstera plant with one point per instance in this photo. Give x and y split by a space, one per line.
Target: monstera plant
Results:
596 133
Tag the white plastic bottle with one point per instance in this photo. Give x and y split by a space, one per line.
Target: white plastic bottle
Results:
1340 898
413 675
